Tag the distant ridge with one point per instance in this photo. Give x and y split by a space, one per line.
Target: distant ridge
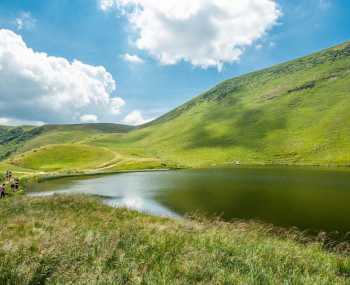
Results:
105 127
12 139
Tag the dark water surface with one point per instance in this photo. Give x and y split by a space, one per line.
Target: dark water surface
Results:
313 199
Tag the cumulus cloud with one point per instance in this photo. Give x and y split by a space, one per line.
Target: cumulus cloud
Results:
88 118
205 33
38 87
25 21
116 105
134 118
132 58
107 4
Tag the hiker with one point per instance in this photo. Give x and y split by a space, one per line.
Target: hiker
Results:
2 191
8 175
13 186
16 184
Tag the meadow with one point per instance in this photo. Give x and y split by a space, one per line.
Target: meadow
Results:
77 240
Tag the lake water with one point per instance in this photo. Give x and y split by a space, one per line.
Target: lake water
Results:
313 199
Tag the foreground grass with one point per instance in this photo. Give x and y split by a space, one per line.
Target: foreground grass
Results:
77 240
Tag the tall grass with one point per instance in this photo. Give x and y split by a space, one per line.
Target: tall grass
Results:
77 240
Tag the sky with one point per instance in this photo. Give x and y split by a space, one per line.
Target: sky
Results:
130 61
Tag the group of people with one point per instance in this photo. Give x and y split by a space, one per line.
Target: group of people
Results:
9 180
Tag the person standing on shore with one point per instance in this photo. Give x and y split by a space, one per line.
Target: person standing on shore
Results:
16 184
2 191
8 175
13 186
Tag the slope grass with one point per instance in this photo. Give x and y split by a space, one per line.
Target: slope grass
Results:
294 113
64 157
77 240
76 151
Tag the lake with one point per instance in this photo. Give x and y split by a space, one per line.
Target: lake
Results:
308 198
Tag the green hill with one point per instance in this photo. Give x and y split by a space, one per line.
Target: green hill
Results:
13 138
293 113
64 157
24 138
62 148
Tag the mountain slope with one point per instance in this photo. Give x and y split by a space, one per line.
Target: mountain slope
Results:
296 113
293 113
24 138
65 148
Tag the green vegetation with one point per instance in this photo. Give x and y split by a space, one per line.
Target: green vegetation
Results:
68 149
292 113
77 240
12 138
64 157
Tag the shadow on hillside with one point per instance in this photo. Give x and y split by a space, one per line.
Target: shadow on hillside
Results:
249 128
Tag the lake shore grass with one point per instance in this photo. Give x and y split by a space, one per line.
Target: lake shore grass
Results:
78 240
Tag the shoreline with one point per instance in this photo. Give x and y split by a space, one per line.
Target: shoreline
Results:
28 181
329 235
40 177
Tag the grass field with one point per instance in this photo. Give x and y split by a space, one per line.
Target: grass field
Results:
77 240
64 157
71 148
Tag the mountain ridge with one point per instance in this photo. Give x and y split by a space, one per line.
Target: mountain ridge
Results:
345 46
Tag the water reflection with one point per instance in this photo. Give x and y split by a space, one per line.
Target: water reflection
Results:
307 198
134 191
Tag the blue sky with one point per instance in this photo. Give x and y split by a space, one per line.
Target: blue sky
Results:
80 29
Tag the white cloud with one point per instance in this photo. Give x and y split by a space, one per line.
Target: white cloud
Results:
116 105
15 122
89 118
25 21
205 33
132 58
38 87
134 118
107 4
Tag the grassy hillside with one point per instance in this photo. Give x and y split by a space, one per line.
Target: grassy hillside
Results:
64 157
11 138
53 134
295 113
67 148
77 240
